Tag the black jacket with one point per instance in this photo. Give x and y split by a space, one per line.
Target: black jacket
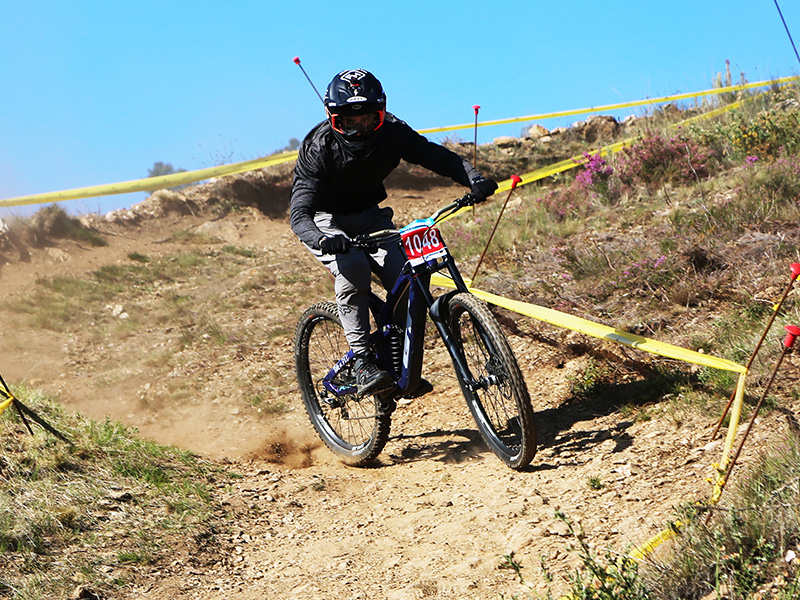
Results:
330 178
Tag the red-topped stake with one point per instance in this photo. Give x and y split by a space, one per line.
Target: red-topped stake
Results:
296 60
476 108
515 179
795 269
792 331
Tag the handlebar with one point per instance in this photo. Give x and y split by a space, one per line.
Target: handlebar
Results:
370 241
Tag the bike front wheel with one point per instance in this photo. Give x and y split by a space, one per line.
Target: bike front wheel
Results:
355 428
497 396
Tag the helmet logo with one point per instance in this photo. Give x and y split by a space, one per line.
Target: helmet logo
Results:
356 99
353 76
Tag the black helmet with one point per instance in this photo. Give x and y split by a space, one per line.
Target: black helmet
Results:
355 103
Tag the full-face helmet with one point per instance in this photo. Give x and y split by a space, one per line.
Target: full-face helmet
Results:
356 104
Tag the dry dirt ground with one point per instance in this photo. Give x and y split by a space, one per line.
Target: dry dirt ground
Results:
435 518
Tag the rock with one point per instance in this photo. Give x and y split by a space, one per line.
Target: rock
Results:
537 132
507 142
599 128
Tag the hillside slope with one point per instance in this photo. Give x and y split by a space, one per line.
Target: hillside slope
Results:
183 328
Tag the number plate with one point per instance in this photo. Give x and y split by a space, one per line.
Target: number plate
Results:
422 242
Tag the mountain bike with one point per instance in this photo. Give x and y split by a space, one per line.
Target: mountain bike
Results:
356 427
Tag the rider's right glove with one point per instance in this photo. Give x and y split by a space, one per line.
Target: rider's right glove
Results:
482 188
337 244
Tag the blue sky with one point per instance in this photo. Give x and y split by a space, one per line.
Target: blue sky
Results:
96 91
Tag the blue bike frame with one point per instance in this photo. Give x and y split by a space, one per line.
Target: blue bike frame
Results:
408 302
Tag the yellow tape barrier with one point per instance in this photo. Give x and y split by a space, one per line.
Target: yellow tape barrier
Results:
630 104
560 319
156 183
150 183
578 160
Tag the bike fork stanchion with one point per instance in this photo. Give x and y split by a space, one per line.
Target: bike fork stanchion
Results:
795 269
515 179
792 331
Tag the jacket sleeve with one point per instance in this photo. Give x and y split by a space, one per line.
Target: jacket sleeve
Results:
419 150
308 176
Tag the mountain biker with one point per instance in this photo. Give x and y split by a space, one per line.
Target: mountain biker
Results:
337 187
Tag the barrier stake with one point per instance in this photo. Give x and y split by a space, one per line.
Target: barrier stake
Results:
515 179
476 108
792 331
795 269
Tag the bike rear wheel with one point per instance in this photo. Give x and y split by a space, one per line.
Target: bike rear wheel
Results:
355 429
500 403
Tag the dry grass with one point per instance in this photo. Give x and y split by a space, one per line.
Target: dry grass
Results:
85 513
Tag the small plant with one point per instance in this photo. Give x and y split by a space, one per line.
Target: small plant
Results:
509 562
239 251
597 177
594 380
618 579
138 257
595 482
53 222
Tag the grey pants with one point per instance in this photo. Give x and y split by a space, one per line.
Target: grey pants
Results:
352 271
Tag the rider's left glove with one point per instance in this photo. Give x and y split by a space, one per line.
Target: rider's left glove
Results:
482 188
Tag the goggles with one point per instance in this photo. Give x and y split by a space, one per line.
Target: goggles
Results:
358 125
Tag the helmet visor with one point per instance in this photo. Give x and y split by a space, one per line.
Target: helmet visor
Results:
358 125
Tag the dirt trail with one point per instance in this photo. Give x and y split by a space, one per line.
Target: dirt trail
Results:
438 514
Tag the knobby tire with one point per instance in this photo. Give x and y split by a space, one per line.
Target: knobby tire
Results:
355 429
501 406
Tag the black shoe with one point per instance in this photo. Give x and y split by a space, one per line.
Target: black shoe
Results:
370 378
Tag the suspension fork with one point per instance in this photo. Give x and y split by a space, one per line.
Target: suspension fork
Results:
437 309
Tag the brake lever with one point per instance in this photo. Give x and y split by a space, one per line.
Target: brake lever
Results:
467 199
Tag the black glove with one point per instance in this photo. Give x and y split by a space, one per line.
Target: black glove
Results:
482 188
337 244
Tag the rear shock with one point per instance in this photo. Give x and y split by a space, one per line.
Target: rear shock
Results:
395 339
